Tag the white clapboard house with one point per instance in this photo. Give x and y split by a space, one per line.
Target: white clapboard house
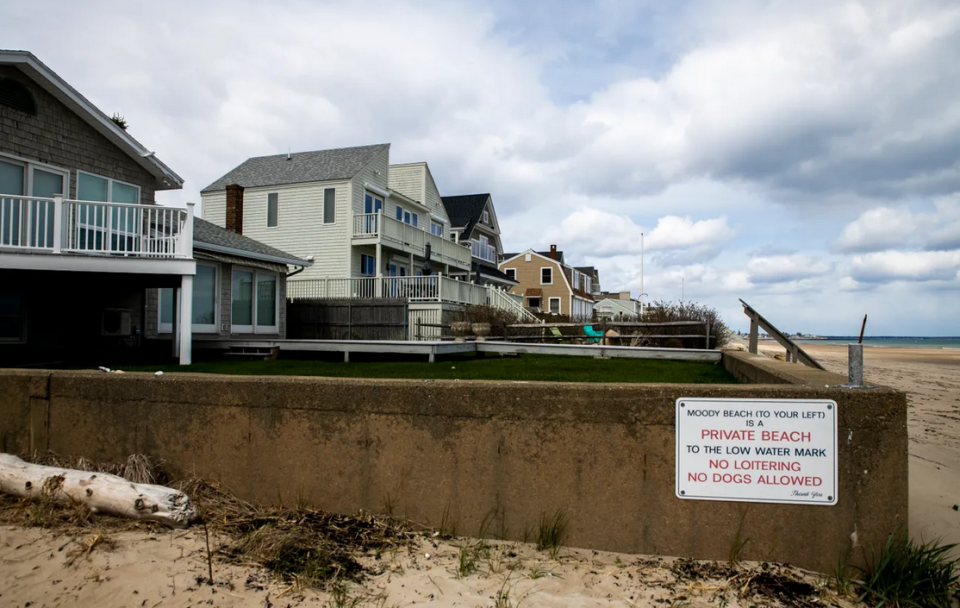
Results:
365 225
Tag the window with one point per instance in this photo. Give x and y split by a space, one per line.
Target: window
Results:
436 229
546 276
330 205
254 301
486 217
511 273
12 318
95 188
368 265
273 209
371 203
14 95
21 178
555 305
406 217
533 302
204 302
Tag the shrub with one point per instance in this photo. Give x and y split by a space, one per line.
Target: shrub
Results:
908 573
665 312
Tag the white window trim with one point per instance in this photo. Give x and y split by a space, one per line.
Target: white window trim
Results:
559 305
110 181
256 328
267 212
28 168
196 328
373 204
486 217
509 272
550 268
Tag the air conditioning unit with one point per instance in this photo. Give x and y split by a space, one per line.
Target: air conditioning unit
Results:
116 322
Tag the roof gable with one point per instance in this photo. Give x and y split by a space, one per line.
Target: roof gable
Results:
300 167
465 210
35 69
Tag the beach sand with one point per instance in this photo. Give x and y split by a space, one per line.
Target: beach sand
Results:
931 379
166 568
151 567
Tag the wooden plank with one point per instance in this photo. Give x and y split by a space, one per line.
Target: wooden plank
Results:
576 350
609 324
789 345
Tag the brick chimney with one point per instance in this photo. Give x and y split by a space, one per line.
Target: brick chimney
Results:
553 252
235 208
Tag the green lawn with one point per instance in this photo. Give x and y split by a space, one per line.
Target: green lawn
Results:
526 367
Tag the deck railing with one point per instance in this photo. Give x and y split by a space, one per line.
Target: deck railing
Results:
434 288
484 251
407 237
56 225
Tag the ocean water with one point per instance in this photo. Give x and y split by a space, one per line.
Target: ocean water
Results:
891 341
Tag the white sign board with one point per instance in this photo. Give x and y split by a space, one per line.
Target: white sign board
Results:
757 450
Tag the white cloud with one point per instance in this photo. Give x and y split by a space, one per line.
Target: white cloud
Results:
783 268
600 233
915 266
881 228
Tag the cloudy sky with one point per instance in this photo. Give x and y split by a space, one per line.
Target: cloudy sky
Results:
803 156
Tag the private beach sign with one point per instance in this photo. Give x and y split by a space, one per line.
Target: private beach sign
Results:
757 450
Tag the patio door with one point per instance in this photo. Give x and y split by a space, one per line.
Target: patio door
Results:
44 184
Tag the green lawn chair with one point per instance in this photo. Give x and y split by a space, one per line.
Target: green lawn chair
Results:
595 334
555 331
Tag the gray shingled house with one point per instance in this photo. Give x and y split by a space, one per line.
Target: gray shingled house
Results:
83 244
474 220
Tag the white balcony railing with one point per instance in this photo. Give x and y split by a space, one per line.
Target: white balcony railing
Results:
434 288
55 225
407 237
484 251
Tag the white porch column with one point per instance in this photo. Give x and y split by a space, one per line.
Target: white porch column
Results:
185 250
186 319
57 223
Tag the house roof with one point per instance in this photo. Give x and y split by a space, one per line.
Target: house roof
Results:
465 210
493 273
210 237
545 254
35 69
587 270
298 168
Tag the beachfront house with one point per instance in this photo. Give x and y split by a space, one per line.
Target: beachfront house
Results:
474 221
91 268
81 237
370 229
547 284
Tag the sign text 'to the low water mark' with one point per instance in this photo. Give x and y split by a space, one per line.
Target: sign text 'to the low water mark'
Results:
757 450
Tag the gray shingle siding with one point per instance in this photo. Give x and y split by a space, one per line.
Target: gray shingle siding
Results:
58 137
299 168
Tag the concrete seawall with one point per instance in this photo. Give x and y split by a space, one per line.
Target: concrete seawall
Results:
504 452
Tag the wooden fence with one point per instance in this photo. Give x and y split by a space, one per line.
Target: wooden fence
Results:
347 320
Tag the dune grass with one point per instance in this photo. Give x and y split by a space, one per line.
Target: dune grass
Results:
526 367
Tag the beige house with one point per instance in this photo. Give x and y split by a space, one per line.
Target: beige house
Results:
549 285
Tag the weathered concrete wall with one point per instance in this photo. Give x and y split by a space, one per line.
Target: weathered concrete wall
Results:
512 450
757 369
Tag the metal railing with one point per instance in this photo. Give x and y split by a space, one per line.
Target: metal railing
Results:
56 225
407 237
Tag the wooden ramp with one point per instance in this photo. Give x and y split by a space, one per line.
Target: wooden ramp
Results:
794 352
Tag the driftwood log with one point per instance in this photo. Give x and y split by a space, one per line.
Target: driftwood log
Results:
100 492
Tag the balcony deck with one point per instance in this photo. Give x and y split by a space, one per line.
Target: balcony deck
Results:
373 228
62 234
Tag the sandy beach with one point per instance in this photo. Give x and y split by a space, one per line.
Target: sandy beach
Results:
931 379
155 567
